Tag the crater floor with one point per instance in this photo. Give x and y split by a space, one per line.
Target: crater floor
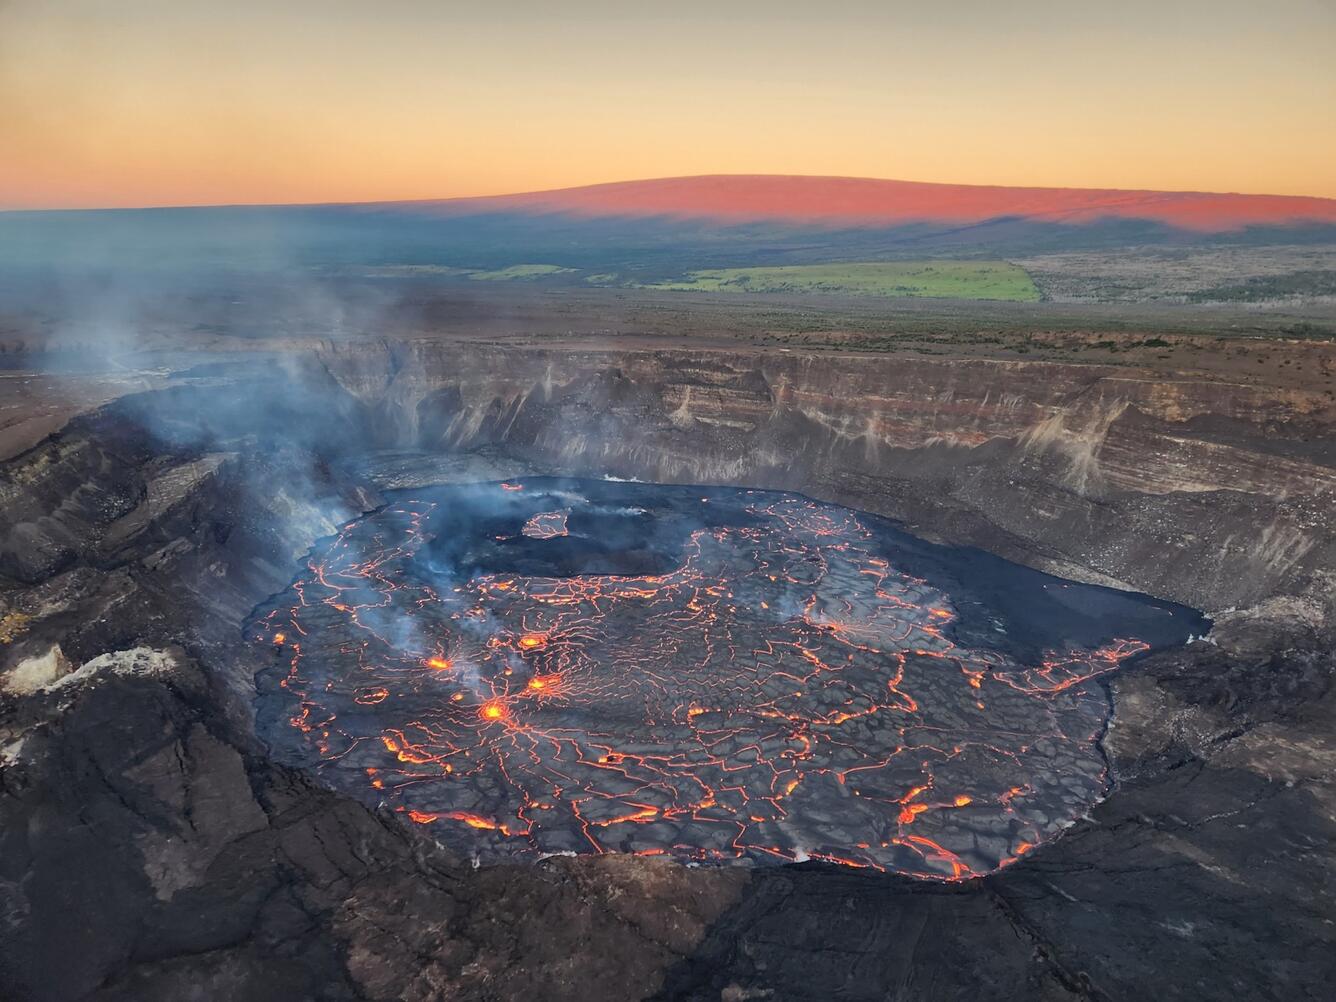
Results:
714 674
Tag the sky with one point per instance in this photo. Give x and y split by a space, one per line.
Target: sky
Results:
174 102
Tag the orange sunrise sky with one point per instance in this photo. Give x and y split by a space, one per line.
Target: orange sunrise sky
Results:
149 102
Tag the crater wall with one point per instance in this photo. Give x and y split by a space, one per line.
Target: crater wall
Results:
1212 493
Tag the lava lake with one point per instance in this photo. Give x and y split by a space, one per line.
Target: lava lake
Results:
557 666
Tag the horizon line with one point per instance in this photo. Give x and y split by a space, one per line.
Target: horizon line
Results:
437 200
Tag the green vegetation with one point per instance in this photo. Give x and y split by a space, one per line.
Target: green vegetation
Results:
519 273
1263 288
411 271
929 279
512 273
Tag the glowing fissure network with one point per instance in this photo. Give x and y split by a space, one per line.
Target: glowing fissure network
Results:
782 693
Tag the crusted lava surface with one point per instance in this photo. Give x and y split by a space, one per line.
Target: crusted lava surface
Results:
713 674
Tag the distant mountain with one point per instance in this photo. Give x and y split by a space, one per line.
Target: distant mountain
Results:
662 230
868 202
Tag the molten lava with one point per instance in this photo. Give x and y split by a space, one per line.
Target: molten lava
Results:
782 693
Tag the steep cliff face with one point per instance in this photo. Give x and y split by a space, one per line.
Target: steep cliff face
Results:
1209 492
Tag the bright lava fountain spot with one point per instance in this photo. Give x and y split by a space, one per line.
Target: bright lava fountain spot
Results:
759 683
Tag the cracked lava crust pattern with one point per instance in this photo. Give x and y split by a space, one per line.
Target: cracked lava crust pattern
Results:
781 693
